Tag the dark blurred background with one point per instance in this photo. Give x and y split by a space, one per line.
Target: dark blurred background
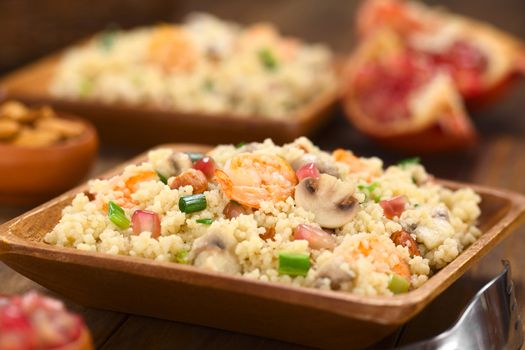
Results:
30 29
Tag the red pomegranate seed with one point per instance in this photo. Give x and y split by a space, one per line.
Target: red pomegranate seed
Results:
316 237
143 220
393 206
206 165
307 170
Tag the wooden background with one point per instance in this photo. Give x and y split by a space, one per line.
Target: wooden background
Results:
30 29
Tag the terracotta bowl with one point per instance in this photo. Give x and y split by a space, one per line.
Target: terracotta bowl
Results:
31 175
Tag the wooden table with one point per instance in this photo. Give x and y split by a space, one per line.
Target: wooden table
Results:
499 160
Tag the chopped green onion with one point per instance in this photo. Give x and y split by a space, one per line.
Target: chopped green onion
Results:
162 178
369 191
195 156
409 161
117 215
206 221
240 144
181 257
192 203
106 39
86 87
293 264
268 59
208 85
369 188
398 284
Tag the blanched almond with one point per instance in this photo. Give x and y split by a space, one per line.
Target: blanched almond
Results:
36 138
16 111
405 239
8 129
234 209
195 178
65 128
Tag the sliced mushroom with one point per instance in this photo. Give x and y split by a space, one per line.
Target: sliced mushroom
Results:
214 251
337 271
328 198
441 212
324 166
180 162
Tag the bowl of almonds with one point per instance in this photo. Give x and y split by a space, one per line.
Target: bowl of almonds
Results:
42 152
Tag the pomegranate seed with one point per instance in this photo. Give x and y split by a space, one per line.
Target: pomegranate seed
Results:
307 170
143 220
36 322
393 206
316 237
206 165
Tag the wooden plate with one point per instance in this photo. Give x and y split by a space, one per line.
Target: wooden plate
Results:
171 291
149 126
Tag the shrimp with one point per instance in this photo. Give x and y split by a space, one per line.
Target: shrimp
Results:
385 258
378 250
250 179
130 186
356 165
171 48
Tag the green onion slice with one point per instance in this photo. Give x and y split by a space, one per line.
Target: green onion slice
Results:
117 215
193 203
240 144
268 59
398 284
208 85
206 221
181 257
369 188
162 178
293 264
195 156
107 38
409 161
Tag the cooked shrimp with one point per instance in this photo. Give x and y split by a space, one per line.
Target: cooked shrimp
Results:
384 258
171 48
130 186
250 179
347 157
355 164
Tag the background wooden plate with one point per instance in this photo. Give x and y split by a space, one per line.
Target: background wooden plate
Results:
149 126
177 292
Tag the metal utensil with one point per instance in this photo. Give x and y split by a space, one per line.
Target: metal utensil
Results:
490 321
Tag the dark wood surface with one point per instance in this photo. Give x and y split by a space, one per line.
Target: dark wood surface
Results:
499 159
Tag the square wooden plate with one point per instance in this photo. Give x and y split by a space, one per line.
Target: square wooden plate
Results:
148 126
172 291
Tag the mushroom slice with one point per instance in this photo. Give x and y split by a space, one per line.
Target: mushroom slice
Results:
337 271
180 162
214 251
328 198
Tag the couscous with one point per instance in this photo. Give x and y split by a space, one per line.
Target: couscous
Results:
204 65
290 214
